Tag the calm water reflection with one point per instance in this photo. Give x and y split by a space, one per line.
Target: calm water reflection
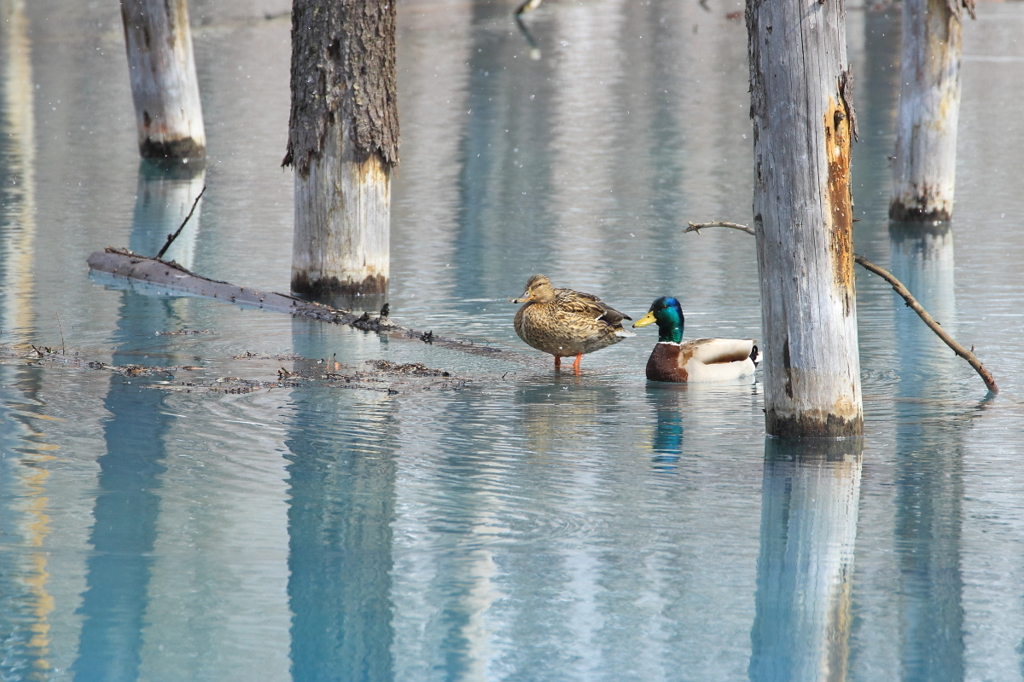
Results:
805 571
341 509
526 525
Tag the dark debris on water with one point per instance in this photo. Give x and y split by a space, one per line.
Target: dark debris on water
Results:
375 375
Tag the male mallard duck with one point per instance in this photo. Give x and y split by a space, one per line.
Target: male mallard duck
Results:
564 322
700 360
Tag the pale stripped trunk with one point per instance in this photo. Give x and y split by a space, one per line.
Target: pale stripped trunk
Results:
803 217
342 220
162 71
924 167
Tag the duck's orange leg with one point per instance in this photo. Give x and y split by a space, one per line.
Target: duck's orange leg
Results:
558 362
576 365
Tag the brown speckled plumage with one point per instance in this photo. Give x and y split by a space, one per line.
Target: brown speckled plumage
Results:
566 323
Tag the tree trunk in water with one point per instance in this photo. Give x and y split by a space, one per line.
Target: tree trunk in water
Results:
924 168
803 124
163 78
343 142
342 233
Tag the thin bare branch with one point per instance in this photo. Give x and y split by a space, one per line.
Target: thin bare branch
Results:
898 287
172 237
912 303
697 227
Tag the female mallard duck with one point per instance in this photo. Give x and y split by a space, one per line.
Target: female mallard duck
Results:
564 322
700 360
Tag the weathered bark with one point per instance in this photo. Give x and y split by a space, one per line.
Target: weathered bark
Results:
803 125
163 78
924 167
343 142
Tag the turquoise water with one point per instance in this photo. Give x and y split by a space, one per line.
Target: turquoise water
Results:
511 523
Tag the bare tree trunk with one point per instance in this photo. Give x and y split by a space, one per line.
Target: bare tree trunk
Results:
163 77
924 168
803 124
343 142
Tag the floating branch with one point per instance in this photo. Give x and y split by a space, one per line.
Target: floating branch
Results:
371 375
898 287
153 271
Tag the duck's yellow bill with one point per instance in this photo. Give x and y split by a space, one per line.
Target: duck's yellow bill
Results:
645 320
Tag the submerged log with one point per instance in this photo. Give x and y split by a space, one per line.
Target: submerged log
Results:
124 263
370 375
130 265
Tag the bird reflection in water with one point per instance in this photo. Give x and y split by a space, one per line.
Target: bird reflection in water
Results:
667 440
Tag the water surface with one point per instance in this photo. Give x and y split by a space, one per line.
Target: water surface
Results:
514 523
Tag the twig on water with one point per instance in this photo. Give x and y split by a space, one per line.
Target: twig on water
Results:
172 237
898 287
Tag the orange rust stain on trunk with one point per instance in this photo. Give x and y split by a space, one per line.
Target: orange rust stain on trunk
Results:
371 169
837 150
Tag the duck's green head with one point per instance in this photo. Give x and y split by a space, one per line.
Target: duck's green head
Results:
667 312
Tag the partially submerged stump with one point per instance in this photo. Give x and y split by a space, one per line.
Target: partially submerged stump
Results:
803 125
162 71
343 143
924 165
